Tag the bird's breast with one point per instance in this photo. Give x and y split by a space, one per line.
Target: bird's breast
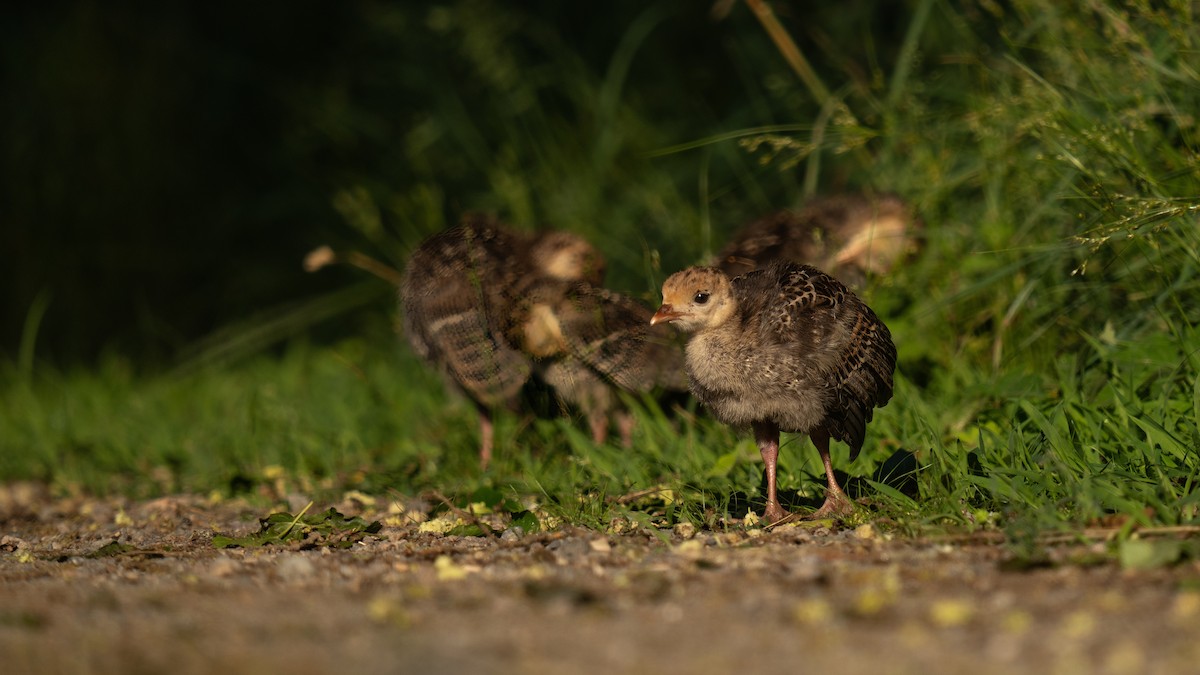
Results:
715 364
741 383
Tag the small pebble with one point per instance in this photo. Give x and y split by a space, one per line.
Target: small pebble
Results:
569 547
295 567
223 567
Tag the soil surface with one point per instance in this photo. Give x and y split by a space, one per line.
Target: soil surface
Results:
784 600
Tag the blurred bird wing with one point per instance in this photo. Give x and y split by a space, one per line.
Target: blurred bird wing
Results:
612 334
479 358
450 320
782 235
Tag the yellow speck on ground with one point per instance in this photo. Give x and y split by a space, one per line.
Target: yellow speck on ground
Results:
273 472
1078 625
877 589
359 496
685 530
951 612
811 612
441 524
390 610
122 519
1017 621
448 570
1186 607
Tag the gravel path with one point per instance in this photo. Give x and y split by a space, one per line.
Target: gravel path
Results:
794 599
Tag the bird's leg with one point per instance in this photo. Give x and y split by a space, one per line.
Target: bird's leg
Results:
766 435
625 423
486 434
836 502
598 422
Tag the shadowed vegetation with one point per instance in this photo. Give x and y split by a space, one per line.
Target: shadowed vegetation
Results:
1049 361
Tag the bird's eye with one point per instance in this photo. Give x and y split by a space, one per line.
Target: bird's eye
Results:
700 298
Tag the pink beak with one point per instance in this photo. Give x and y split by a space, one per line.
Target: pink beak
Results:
664 314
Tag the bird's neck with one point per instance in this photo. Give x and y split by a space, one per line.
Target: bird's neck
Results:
721 315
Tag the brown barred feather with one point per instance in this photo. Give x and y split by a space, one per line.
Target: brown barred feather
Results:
852 236
591 340
452 295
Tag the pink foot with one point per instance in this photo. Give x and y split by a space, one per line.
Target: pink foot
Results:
775 514
836 506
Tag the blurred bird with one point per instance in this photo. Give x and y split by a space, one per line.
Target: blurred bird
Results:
851 236
458 292
590 343
786 348
492 308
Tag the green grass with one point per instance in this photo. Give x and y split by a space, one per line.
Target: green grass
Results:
1049 357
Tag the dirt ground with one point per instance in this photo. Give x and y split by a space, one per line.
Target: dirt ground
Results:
791 599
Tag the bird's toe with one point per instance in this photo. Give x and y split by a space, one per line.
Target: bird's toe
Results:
836 506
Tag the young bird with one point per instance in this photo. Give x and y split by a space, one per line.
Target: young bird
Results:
786 348
852 236
458 292
590 343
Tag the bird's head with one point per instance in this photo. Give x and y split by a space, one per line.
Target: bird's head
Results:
881 233
696 298
567 257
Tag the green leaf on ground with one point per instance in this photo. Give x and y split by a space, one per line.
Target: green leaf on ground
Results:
527 521
329 528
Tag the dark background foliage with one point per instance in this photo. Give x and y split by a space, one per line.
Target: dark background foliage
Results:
166 166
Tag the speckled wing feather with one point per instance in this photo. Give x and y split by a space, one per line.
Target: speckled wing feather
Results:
818 314
611 334
864 376
453 284
805 298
